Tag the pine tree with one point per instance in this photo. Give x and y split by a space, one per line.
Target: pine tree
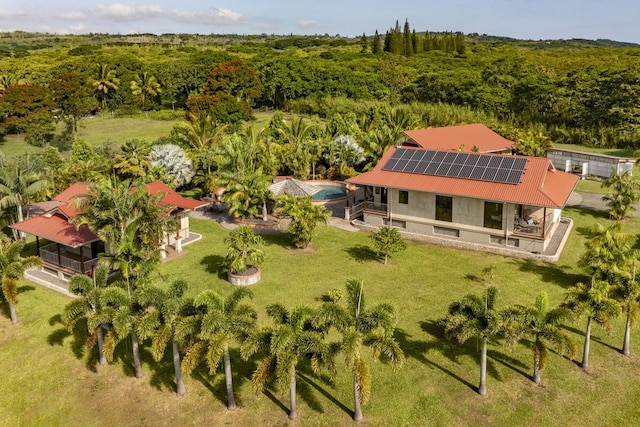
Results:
396 40
407 45
364 43
376 47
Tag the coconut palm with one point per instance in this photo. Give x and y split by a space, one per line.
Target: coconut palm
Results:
145 86
474 316
87 307
135 160
163 311
284 345
12 268
215 324
297 135
593 301
361 327
18 187
104 83
541 325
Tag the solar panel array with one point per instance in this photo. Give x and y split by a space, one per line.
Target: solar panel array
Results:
455 164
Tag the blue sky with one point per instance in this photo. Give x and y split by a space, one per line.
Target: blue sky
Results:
526 19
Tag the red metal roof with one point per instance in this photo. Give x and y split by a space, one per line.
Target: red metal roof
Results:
55 224
453 137
172 198
56 227
540 184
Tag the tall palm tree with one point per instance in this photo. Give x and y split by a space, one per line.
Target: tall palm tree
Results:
543 326
593 301
297 134
145 86
18 187
163 311
474 316
12 268
284 345
87 306
626 291
608 251
624 192
361 327
105 82
216 323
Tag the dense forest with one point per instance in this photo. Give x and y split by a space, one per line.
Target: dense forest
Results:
577 92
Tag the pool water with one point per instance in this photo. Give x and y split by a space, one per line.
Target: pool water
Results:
330 192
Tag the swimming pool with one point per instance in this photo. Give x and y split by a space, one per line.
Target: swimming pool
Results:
330 192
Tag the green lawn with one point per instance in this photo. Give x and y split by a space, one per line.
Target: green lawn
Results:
46 380
100 130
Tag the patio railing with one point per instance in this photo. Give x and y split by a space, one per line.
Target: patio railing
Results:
66 260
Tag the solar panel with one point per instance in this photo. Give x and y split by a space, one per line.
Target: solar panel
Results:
481 167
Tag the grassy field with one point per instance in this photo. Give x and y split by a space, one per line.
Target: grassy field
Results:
46 380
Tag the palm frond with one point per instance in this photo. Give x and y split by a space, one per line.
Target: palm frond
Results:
215 349
362 375
192 357
263 372
159 342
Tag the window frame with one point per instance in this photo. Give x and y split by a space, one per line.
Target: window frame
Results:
444 212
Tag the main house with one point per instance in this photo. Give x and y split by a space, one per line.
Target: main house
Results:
67 249
472 197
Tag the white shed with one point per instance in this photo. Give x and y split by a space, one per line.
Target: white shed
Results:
584 163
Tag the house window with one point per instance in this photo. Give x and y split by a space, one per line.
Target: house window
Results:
376 190
444 208
403 197
493 215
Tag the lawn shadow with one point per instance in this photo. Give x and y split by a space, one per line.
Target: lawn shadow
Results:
78 334
550 273
241 371
163 376
278 239
25 288
451 352
474 278
313 384
214 264
509 362
304 389
362 253
595 338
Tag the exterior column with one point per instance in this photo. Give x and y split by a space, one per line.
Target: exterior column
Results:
178 244
163 251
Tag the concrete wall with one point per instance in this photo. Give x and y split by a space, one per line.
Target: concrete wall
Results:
467 225
596 165
183 220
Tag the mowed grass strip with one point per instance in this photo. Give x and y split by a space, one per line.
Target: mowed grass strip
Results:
47 381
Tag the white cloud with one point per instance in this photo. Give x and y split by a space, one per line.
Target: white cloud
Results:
214 15
121 12
11 13
309 23
71 16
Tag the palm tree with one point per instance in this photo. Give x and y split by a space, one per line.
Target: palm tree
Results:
244 248
297 134
361 327
608 251
594 302
87 306
305 217
201 131
135 160
163 312
121 313
217 322
543 326
626 291
12 268
474 316
175 161
285 344
145 86
624 192
17 187
105 82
